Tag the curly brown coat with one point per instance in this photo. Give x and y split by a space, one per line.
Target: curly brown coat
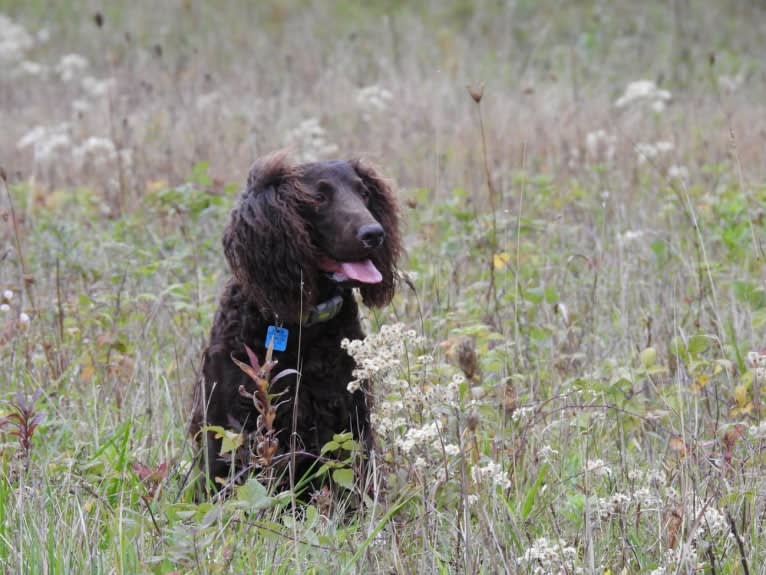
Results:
300 235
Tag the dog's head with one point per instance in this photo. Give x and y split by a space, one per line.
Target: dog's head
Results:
297 226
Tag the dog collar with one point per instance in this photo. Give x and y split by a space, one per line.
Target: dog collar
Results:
323 311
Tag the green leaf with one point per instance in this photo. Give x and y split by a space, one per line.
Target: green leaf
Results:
698 344
330 446
551 295
660 249
529 500
350 445
344 477
648 357
231 440
254 496
750 293
677 347
534 295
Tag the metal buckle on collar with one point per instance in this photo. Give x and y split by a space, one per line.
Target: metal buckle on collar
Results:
324 311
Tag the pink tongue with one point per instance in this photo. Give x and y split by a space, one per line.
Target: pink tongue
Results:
364 272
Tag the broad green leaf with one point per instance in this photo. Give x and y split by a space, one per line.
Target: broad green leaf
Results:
648 357
344 477
529 500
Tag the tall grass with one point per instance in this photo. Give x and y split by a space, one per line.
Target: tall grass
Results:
569 378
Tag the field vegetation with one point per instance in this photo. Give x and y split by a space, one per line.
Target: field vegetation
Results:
570 377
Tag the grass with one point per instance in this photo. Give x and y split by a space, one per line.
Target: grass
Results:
569 379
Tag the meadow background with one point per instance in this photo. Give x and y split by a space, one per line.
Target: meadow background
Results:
569 380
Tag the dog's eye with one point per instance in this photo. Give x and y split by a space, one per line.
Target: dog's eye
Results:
324 192
363 192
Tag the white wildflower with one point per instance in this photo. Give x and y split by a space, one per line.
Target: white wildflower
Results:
656 478
310 139
574 158
31 137
757 360
458 379
95 151
97 88
600 146
208 101
29 68
373 96
126 157
758 431
80 106
546 453
43 35
70 66
598 468
5 308
521 413
648 152
372 99
437 394
425 359
645 152
46 142
644 91
452 449
714 521
616 504
353 385
663 147
631 235
7 295
14 40
24 319
731 83
636 475
544 557
646 499
419 436
679 173
493 472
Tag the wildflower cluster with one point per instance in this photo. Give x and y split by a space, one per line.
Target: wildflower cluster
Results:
310 141
546 557
645 495
372 99
644 91
418 405
14 41
491 472
598 468
378 355
600 146
70 66
678 173
5 306
648 152
97 151
756 360
427 435
46 142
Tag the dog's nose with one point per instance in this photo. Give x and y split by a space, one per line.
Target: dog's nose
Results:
371 235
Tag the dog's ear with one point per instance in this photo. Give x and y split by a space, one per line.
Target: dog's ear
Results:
382 205
267 243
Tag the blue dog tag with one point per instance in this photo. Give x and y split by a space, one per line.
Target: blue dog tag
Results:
278 335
